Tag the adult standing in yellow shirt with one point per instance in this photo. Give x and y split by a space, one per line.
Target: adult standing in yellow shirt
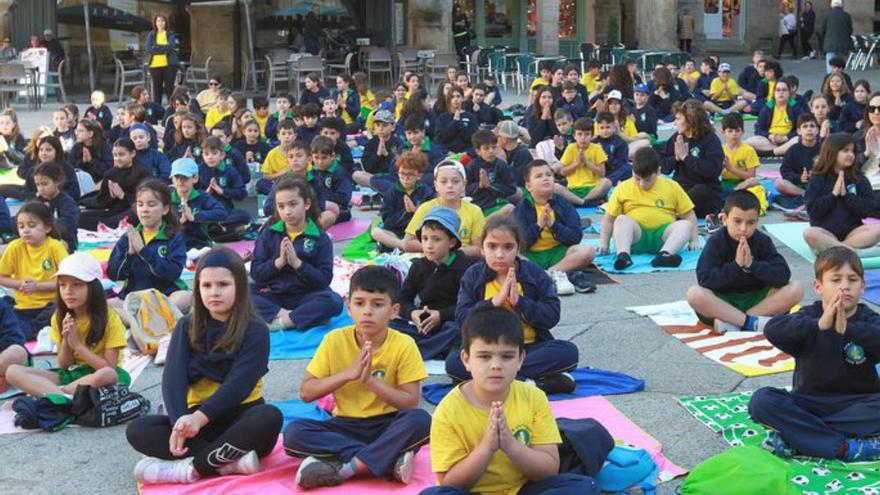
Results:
163 60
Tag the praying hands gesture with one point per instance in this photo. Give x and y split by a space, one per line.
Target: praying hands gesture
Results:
186 214
497 435
87 155
426 319
214 186
362 366
872 142
115 190
484 179
69 335
135 241
805 175
408 204
834 315
546 220
681 148
839 186
743 253
508 295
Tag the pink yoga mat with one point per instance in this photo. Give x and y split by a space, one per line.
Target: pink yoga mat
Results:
241 247
770 174
871 220
348 230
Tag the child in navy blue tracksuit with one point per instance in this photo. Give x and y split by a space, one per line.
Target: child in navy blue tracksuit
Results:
334 129
223 131
416 139
489 180
49 179
310 113
833 409
221 180
617 168
797 164
253 148
400 201
153 254
376 160
455 127
503 279
153 160
283 104
335 179
293 262
186 139
194 209
571 101
838 198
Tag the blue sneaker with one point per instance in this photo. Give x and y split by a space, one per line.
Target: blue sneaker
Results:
862 449
777 446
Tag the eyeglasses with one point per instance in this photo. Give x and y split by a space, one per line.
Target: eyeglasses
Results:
408 175
873 109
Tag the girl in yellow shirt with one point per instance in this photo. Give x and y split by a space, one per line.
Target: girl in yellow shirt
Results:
626 125
775 128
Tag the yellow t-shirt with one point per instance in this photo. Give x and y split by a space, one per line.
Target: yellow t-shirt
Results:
261 121
457 428
663 203
397 362
275 162
202 390
583 177
114 334
629 128
538 82
22 261
744 158
717 86
368 100
771 89
491 291
545 240
160 60
471 216
590 82
780 124
345 116
214 115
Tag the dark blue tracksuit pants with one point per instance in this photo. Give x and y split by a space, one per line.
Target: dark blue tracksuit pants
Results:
561 484
306 310
32 320
816 425
437 343
264 186
376 441
542 358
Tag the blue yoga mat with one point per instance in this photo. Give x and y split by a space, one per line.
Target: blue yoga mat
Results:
642 262
872 286
294 409
590 382
588 211
302 344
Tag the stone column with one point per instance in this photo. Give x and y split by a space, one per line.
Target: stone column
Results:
5 5
657 20
547 36
431 24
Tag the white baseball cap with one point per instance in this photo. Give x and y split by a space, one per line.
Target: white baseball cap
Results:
80 266
454 165
614 95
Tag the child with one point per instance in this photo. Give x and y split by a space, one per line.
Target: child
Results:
399 201
12 349
427 300
486 115
309 127
293 262
776 122
513 152
113 200
564 136
329 108
644 114
49 179
503 279
571 101
381 150
617 167
819 108
223 131
154 111
122 123
369 102
853 114
374 374
282 112
275 164
838 198
314 92
261 114
44 149
833 409
186 139
219 111
552 231
63 130
449 182
153 254
724 93
91 153
740 160
592 79
333 128
743 280
494 433
217 421
252 147
347 99
797 164
298 162
150 158
767 86
27 265
751 76
221 181
649 214
489 180
99 111
88 336
417 139
455 126
336 181
624 124
11 131
837 92
583 163
194 210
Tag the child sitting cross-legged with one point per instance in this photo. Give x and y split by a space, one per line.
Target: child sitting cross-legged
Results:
399 202
583 163
616 149
374 374
494 433
742 279
552 231
833 408
195 210
336 179
797 165
740 159
649 214
490 180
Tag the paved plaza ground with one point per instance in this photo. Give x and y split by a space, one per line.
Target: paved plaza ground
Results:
96 461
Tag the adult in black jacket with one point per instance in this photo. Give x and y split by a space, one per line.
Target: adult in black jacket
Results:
837 30
807 27
163 61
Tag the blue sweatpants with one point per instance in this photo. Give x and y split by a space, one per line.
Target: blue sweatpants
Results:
542 358
306 310
32 321
376 441
816 425
437 343
561 484
264 186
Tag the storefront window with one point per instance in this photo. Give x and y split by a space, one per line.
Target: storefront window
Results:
500 16
567 18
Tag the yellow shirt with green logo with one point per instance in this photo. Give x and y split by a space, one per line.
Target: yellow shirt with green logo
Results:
397 362
743 158
275 162
780 125
629 128
590 82
471 216
114 335
717 86
491 291
665 202
457 428
545 240
582 176
22 261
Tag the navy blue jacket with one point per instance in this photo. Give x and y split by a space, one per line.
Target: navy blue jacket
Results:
851 114
343 156
501 182
566 227
839 215
825 361
703 164
205 209
5 217
317 186
238 372
235 159
155 112
835 110
170 49
313 247
645 119
102 160
259 150
663 106
271 129
796 159
575 107
455 135
717 269
10 329
157 265
127 178
228 180
376 164
103 115
538 305
617 167
306 134
393 212
352 104
71 184
748 79
337 185
496 100
179 150
313 97
486 115
765 118
539 129
156 163
66 212
518 158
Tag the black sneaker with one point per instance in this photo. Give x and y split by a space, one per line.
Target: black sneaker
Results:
559 383
623 261
586 222
582 283
314 472
666 260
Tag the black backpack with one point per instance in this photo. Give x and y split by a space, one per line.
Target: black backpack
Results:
107 406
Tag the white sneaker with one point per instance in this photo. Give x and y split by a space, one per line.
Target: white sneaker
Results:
150 470
722 326
762 321
403 468
560 279
248 464
805 57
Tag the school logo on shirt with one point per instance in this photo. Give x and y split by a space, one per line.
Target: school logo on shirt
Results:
163 251
308 245
741 163
854 353
222 180
851 188
611 149
523 434
695 152
328 182
644 117
380 374
47 265
659 203
464 232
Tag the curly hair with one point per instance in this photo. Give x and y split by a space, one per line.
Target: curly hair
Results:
695 116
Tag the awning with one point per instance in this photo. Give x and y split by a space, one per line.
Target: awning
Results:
103 16
304 8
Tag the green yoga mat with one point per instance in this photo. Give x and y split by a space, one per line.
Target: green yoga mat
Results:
361 247
729 415
792 235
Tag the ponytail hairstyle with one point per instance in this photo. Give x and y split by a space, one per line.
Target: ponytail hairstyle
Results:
352 85
162 192
52 170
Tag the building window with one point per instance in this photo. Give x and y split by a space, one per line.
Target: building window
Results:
568 10
500 15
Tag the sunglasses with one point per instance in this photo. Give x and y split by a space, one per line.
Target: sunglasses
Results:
873 109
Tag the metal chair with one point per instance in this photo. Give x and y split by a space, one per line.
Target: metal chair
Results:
649 60
378 61
277 72
246 78
588 52
128 77
301 68
15 78
47 83
498 67
333 70
407 64
526 71
470 63
196 74
435 68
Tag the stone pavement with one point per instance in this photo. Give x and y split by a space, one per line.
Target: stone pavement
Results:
95 461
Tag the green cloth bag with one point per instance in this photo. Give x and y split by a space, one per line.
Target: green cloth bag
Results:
741 471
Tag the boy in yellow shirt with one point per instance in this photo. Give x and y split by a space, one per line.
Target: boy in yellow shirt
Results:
374 374
275 164
724 93
583 163
649 214
740 162
493 434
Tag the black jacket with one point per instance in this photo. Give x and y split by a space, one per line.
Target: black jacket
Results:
717 269
435 286
837 30
839 215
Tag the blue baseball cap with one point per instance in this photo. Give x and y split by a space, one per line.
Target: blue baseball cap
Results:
446 217
641 88
186 167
